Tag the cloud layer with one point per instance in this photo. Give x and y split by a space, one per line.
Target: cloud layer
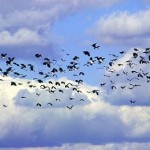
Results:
94 121
124 28
38 17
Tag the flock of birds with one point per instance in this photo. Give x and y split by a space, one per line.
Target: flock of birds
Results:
52 68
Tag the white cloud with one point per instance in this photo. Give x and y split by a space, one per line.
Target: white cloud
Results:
123 28
39 16
121 96
86 146
93 121
21 37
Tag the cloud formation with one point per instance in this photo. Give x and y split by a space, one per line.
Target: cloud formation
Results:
126 76
38 16
96 121
123 28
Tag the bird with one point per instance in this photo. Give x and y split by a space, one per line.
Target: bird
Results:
50 104
71 98
113 87
122 52
37 94
13 83
86 53
135 55
4 105
75 58
132 102
61 91
70 107
81 99
57 99
81 73
23 97
38 55
3 55
95 46
102 84
123 87
38 104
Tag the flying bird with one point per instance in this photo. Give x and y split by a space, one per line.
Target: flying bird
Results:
38 104
3 55
70 107
86 53
38 55
132 102
95 46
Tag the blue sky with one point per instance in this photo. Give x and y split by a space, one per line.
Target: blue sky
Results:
55 28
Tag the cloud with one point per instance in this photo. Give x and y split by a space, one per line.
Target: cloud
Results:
93 121
83 146
28 27
39 16
119 79
123 28
21 37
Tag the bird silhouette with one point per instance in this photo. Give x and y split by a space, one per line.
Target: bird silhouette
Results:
132 102
70 107
38 104
4 105
50 104
86 53
95 46
38 55
3 55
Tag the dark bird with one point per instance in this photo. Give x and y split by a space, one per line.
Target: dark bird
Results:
71 98
50 82
122 52
96 92
3 55
61 91
123 87
132 102
16 73
70 107
4 106
135 49
13 83
50 104
86 53
38 104
135 55
111 63
113 87
140 75
81 99
57 99
81 73
57 83
40 81
79 81
31 67
120 64
95 46
23 66
126 73
10 60
102 84
38 55
75 58
16 64
23 97
37 94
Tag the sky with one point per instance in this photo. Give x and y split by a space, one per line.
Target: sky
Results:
115 118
